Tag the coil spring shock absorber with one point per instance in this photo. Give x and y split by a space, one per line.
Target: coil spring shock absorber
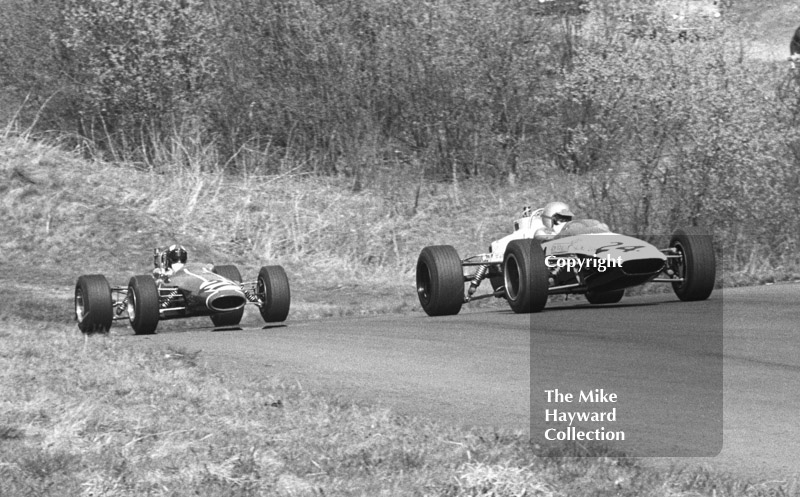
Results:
249 295
476 280
169 298
121 306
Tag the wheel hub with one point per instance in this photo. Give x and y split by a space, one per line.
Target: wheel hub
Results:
79 307
512 277
131 305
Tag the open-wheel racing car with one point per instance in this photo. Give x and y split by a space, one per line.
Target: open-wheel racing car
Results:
215 291
585 257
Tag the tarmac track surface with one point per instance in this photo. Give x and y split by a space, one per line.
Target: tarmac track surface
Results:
668 361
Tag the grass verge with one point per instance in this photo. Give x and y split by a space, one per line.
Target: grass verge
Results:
102 418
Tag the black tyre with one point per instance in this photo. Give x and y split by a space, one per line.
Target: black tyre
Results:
94 310
440 280
526 276
697 266
143 304
497 282
231 318
273 289
611 297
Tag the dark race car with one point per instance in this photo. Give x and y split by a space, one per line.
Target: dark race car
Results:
215 291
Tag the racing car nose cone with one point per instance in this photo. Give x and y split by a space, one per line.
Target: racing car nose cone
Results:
226 302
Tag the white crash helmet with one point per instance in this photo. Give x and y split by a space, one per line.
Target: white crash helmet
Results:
556 213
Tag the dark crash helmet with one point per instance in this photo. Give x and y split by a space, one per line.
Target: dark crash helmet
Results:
176 254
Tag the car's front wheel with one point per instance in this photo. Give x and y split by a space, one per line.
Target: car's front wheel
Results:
440 280
526 276
143 304
697 264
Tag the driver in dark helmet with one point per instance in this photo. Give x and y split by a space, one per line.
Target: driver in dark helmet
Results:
169 261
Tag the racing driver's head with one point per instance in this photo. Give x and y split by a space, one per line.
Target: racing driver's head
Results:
176 254
555 214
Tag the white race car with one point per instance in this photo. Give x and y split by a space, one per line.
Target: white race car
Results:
585 257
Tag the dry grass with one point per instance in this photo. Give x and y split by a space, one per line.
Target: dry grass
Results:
107 419
346 253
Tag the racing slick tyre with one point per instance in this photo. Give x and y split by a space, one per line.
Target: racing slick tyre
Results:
143 304
440 280
231 318
497 283
697 266
272 288
611 297
94 310
526 276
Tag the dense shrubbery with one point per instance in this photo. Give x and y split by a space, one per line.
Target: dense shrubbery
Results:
666 121
135 66
118 73
459 87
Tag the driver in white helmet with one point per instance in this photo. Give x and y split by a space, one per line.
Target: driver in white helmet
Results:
169 261
554 216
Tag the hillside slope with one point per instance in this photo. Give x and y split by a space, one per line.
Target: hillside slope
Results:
345 253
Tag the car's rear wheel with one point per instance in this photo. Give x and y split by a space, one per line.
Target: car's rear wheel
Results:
440 280
143 304
230 318
611 297
697 264
526 276
273 290
94 310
